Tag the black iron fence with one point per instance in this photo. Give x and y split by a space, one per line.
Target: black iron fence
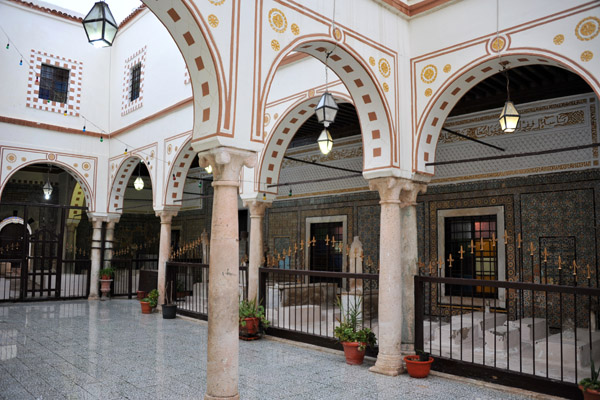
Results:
536 336
126 281
187 284
304 305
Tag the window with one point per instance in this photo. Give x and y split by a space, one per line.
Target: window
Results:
136 73
476 233
54 83
456 228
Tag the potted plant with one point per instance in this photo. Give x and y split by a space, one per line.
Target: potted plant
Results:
180 291
419 365
591 386
252 319
354 339
106 275
169 309
150 302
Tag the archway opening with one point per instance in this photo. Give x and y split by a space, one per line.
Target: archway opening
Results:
513 207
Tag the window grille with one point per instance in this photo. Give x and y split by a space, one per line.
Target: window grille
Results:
136 72
54 84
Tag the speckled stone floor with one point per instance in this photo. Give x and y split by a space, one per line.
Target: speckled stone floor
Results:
109 350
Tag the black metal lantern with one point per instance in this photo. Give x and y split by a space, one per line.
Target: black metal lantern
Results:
326 109
100 25
509 117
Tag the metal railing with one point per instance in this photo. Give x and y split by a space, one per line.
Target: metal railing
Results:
72 282
537 336
127 274
189 284
304 305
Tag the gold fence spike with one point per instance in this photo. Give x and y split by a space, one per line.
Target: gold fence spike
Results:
531 248
450 261
461 252
545 255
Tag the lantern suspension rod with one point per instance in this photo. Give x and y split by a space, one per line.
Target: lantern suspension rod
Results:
504 156
315 180
472 139
322 165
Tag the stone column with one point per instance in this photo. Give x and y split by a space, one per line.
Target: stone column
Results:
223 304
392 192
408 262
109 239
257 213
96 250
163 251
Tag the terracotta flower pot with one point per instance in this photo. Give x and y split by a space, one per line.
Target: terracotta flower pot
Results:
590 394
141 294
354 356
146 309
251 328
416 368
105 286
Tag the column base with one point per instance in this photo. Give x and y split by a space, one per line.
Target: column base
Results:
209 397
388 365
93 297
407 349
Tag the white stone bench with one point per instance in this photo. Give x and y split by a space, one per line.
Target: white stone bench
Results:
502 337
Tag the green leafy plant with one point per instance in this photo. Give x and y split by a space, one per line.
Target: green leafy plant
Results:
591 383
423 356
180 287
110 272
349 329
152 298
249 309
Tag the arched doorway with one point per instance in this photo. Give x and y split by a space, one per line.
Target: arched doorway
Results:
38 203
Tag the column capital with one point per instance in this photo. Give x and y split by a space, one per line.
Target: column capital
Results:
399 191
97 217
227 162
113 218
166 215
257 208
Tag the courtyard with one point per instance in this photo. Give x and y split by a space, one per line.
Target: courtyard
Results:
109 350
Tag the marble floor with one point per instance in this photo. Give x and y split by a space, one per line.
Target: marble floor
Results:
109 350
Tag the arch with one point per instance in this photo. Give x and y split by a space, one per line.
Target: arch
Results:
432 119
380 155
14 220
119 185
77 200
189 30
177 173
87 191
270 160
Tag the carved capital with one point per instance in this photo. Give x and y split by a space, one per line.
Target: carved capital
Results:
166 215
227 162
399 191
257 208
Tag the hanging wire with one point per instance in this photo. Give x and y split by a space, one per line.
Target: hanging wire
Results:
23 59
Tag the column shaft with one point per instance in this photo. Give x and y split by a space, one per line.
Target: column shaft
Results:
163 252
257 213
223 295
96 249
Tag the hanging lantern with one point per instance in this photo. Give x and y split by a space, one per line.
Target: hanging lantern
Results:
208 169
326 109
100 25
325 141
509 117
47 189
138 184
